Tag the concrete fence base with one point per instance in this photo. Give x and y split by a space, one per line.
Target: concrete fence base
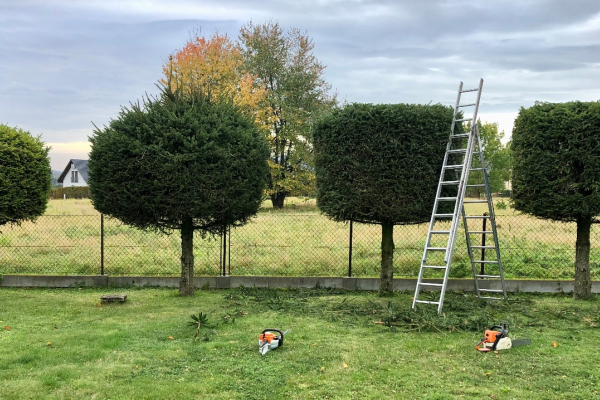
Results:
225 282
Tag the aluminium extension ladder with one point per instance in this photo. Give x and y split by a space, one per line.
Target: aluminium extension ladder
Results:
441 238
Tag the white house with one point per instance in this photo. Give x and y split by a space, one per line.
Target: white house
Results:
75 174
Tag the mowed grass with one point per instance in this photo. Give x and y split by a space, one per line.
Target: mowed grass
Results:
296 241
65 344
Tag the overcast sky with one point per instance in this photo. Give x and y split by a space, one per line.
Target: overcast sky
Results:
65 64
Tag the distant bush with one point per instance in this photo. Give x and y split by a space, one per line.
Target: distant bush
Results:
501 205
73 192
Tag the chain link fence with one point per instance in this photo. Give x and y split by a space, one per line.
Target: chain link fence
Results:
275 244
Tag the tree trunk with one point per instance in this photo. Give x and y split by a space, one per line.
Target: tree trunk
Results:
583 283
186 284
387 258
277 199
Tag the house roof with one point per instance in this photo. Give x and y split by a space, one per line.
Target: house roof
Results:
81 166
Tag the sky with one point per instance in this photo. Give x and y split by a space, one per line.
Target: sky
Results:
67 65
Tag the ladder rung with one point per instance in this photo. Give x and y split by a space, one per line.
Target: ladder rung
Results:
455 151
435 248
477 185
440 232
435 266
460 135
447 198
427 302
463 119
485 262
467 105
450 182
443 215
488 276
476 169
431 284
457 166
491 290
483 247
469 90
482 232
476 216
491 298
475 201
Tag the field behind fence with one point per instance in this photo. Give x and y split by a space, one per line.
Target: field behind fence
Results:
296 241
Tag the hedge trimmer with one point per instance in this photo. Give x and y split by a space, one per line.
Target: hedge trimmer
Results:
496 338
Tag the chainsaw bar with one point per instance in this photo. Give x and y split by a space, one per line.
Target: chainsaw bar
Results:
521 342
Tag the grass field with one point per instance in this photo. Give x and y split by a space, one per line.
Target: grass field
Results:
295 241
65 344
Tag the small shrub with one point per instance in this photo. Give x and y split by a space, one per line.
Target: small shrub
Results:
501 205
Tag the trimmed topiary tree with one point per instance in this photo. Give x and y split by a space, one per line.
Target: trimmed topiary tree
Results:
179 163
25 176
556 172
380 164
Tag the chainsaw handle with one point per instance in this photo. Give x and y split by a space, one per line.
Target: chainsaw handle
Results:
503 329
278 331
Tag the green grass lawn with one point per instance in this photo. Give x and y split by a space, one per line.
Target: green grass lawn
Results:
64 344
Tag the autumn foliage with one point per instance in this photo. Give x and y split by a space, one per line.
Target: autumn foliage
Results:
215 67
275 78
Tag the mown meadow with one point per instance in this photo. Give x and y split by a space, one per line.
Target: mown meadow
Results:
66 344
295 241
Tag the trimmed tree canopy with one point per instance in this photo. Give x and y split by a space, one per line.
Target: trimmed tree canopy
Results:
179 162
556 172
556 167
381 163
25 176
174 158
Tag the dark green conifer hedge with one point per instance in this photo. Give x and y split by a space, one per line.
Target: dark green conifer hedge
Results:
25 176
381 163
556 171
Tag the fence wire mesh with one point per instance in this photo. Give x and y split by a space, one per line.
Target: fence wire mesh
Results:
276 244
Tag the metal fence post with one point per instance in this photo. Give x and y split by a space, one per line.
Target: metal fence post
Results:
101 244
350 253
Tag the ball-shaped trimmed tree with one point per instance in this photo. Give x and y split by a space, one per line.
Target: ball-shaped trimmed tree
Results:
179 163
25 176
380 164
556 171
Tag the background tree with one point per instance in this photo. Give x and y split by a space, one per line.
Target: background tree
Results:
556 171
215 67
179 162
25 176
296 96
380 164
497 158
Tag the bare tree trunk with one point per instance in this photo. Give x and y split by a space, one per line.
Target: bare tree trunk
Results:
387 258
583 282
277 199
186 284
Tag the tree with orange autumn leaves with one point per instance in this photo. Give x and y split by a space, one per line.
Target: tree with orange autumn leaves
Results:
274 76
215 67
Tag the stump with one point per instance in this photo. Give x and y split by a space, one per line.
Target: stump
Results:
111 298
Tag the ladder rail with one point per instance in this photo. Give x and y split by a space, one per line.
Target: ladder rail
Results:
492 218
462 187
437 196
470 252
461 176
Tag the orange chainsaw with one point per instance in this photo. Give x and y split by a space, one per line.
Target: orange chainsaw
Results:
496 338
268 340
